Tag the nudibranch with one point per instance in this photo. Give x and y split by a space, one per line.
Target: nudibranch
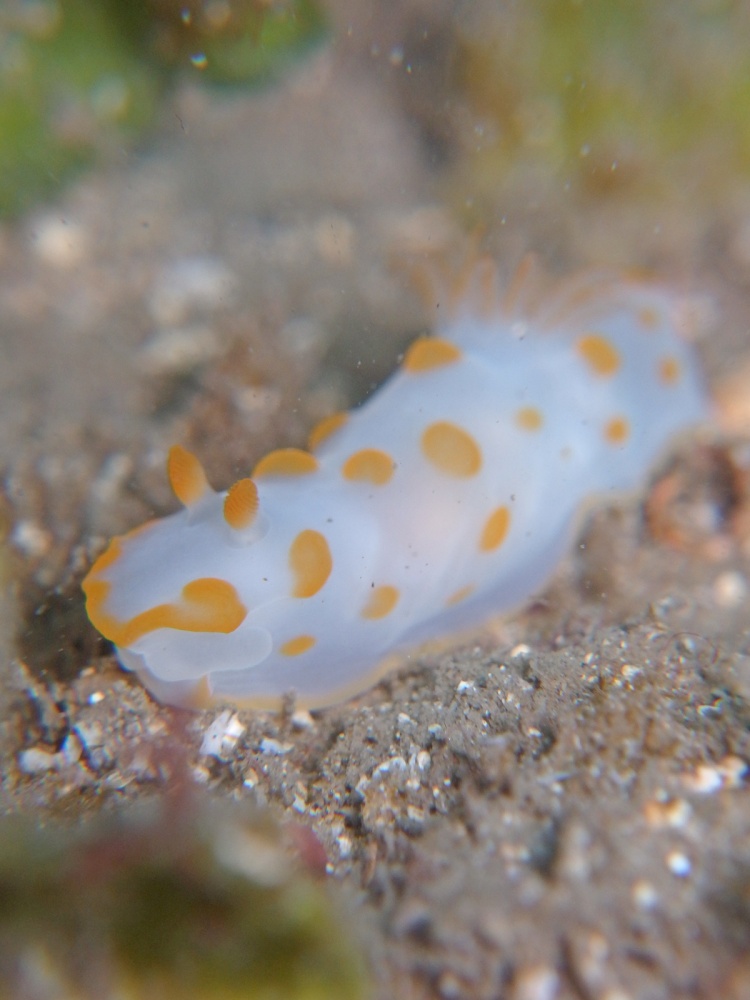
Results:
447 497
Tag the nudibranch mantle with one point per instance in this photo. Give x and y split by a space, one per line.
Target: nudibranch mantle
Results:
449 496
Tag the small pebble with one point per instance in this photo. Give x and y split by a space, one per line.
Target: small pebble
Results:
91 734
221 737
38 761
251 778
629 672
31 539
679 864
275 748
344 844
521 651
538 982
301 719
392 764
673 813
645 895
705 780
71 749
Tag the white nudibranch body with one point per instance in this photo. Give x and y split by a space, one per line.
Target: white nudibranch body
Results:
449 496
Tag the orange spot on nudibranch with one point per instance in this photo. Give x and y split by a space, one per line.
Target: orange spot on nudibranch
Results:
207 604
325 428
430 352
382 601
617 430
495 530
669 370
460 595
310 562
241 504
295 647
370 465
599 354
286 462
451 450
186 476
648 317
529 418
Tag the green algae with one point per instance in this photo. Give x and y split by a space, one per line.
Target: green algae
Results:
613 95
242 42
81 79
70 86
201 903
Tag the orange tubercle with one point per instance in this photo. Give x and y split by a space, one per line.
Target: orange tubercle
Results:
241 504
186 476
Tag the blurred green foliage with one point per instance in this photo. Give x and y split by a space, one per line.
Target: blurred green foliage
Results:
201 903
231 41
608 94
69 83
80 77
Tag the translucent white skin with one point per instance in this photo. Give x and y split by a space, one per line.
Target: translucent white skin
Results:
420 531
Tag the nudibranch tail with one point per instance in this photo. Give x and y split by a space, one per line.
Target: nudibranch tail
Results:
472 289
596 289
515 301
